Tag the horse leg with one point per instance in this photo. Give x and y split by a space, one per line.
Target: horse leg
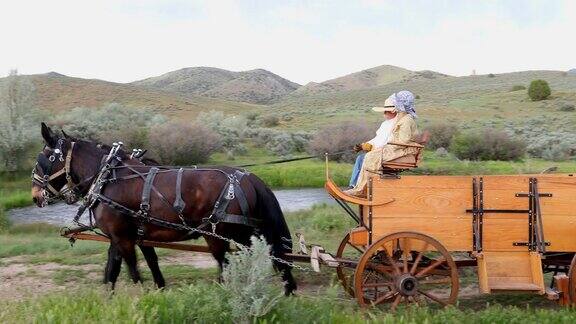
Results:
218 248
152 261
287 278
127 250
113 266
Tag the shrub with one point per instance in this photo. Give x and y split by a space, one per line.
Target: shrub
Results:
441 135
111 123
491 75
567 107
340 138
4 221
230 128
559 152
183 144
518 87
487 145
539 90
19 120
250 281
279 142
270 121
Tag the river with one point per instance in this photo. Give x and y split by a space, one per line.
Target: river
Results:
62 214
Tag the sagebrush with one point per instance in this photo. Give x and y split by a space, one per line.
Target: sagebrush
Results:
249 278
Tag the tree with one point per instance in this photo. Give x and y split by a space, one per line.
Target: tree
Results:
538 90
18 120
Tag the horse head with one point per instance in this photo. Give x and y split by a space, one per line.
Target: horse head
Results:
62 170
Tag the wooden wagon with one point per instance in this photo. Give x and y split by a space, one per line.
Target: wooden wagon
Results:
414 232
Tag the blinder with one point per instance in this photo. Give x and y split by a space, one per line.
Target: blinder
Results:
46 165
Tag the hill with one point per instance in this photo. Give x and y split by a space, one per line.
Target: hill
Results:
472 101
572 71
57 93
254 86
370 78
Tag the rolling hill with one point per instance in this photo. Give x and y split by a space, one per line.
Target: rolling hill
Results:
255 86
57 93
474 101
370 78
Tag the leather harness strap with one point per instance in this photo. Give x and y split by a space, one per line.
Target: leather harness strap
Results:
179 203
231 191
145 203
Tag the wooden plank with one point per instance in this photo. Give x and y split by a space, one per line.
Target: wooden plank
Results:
537 273
561 202
561 282
425 182
454 233
165 245
482 274
560 231
424 202
502 230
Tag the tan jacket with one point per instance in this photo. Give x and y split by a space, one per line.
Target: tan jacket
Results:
404 132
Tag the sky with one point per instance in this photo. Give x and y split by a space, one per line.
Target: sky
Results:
303 41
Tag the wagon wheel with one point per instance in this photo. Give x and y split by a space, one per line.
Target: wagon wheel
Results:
412 268
344 271
572 281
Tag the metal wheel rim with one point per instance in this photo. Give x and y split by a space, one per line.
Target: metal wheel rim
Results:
448 270
345 279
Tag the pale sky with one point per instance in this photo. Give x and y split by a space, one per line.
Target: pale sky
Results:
304 41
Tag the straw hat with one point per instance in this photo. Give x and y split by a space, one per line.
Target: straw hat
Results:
389 105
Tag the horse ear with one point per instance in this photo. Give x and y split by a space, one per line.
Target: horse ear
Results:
48 136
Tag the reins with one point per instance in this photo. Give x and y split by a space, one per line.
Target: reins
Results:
290 160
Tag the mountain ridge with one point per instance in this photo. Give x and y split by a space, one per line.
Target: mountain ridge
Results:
256 86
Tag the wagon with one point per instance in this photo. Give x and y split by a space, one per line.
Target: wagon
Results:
414 233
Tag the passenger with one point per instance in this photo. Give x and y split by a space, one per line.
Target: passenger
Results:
404 131
381 138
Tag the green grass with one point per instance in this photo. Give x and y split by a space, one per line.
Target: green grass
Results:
206 303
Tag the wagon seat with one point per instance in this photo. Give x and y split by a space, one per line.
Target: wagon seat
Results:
409 161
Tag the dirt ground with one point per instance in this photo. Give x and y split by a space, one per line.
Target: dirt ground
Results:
19 279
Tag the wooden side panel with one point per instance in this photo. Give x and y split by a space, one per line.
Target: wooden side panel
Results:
454 232
537 273
560 231
502 230
430 203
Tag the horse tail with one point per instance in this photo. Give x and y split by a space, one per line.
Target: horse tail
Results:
274 227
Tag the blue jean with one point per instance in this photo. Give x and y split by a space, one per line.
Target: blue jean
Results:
357 168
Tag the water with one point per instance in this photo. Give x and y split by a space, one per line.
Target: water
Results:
62 214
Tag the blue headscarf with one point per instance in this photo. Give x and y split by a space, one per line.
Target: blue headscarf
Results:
405 102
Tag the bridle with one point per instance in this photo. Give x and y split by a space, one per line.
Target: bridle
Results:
46 164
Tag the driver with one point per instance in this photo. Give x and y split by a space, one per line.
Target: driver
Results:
404 131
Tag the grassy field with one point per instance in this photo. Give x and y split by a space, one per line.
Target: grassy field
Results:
45 280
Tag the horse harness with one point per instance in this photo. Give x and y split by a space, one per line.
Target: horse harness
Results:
46 164
112 163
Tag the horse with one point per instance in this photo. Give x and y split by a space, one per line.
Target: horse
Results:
74 168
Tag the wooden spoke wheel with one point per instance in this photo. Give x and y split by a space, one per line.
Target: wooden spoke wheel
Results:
404 268
345 271
572 281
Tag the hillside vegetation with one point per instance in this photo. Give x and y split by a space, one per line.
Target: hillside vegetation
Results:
57 93
470 102
255 86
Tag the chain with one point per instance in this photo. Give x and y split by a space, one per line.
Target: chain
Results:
244 247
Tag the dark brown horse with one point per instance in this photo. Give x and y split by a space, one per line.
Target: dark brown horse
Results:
72 166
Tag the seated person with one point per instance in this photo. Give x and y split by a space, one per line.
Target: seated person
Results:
403 132
381 138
